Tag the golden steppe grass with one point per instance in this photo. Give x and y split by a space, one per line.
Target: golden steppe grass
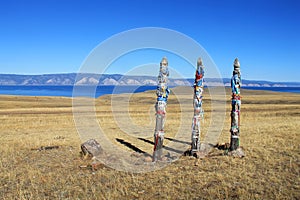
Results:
270 124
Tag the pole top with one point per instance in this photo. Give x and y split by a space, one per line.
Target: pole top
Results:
236 63
164 61
199 62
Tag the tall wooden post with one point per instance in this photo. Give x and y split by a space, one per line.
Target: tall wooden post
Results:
198 110
236 82
162 94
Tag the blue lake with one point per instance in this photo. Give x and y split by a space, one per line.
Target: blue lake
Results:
67 91
276 89
88 91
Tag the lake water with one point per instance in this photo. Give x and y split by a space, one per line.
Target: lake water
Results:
67 91
276 89
88 91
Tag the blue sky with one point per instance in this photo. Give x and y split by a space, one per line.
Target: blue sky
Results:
55 36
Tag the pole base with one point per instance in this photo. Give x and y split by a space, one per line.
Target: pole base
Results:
157 155
234 144
238 153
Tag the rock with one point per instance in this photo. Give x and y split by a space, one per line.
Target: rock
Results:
164 159
91 147
46 148
59 137
96 165
201 154
148 159
136 154
222 146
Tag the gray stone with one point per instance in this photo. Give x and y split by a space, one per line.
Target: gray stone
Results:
91 147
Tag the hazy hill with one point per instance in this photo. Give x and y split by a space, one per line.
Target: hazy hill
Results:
117 79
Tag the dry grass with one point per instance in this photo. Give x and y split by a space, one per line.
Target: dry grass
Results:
269 136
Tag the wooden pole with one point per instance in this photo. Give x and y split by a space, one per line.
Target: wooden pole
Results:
198 110
162 94
236 82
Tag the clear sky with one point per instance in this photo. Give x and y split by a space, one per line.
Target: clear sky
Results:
55 36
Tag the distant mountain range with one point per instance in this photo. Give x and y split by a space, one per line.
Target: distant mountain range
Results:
117 79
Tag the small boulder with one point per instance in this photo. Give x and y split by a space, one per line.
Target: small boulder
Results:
91 148
148 159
